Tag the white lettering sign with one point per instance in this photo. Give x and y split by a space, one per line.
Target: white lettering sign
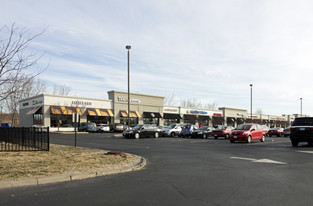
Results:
121 99
82 103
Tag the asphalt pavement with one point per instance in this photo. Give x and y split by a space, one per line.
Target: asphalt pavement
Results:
184 172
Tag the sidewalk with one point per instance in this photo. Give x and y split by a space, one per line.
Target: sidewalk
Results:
136 164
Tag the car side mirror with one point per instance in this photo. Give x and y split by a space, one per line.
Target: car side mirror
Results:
142 128
252 130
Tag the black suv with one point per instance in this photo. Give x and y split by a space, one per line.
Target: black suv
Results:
301 130
143 130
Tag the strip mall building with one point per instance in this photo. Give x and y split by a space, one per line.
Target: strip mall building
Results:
56 111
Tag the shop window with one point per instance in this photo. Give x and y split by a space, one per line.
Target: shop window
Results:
170 121
133 121
99 119
38 119
59 120
151 121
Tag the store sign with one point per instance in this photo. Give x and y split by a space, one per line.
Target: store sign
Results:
217 114
170 110
82 103
196 112
35 102
121 99
25 104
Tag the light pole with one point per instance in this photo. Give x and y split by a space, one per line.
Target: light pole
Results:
128 47
301 106
251 102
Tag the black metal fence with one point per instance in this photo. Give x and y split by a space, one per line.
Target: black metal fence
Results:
24 139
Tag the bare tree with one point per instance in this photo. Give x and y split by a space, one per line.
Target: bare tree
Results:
61 89
32 88
169 99
212 106
190 102
16 61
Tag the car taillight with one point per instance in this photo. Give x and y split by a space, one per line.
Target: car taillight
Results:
292 128
311 128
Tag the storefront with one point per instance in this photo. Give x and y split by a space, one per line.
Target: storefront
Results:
201 116
56 111
144 109
171 114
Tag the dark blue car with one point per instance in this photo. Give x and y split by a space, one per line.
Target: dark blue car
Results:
188 129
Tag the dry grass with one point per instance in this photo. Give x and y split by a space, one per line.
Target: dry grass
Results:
59 160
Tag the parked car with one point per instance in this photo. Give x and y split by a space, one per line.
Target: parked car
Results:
278 131
265 128
103 128
287 132
301 130
222 131
125 127
143 130
6 125
247 133
188 129
172 130
203 132
116 127
87 127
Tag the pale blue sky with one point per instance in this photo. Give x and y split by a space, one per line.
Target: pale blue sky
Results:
209 50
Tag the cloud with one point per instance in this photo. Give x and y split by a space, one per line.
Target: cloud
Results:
210 50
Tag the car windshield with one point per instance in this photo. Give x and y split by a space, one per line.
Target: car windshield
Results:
303 122
172 126
187 126
138 126
243 127
220 128
203 128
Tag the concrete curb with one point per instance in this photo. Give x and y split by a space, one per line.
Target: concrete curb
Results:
138 164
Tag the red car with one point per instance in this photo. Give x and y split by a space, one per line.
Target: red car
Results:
278 131
247 133
222 131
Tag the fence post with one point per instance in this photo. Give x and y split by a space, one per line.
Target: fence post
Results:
48 138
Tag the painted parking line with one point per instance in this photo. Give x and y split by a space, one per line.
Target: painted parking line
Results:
308 152
199 141
260 160
178 140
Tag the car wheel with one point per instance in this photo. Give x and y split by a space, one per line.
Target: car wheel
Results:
269 135
249 139
232 141
137 136
294 143
263 139
204 136
226 136
173 134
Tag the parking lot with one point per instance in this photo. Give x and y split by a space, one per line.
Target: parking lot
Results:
184 171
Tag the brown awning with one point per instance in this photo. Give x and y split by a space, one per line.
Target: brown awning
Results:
65 110
99 112
124 113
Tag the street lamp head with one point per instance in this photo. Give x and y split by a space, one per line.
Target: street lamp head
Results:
251 85
128 47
